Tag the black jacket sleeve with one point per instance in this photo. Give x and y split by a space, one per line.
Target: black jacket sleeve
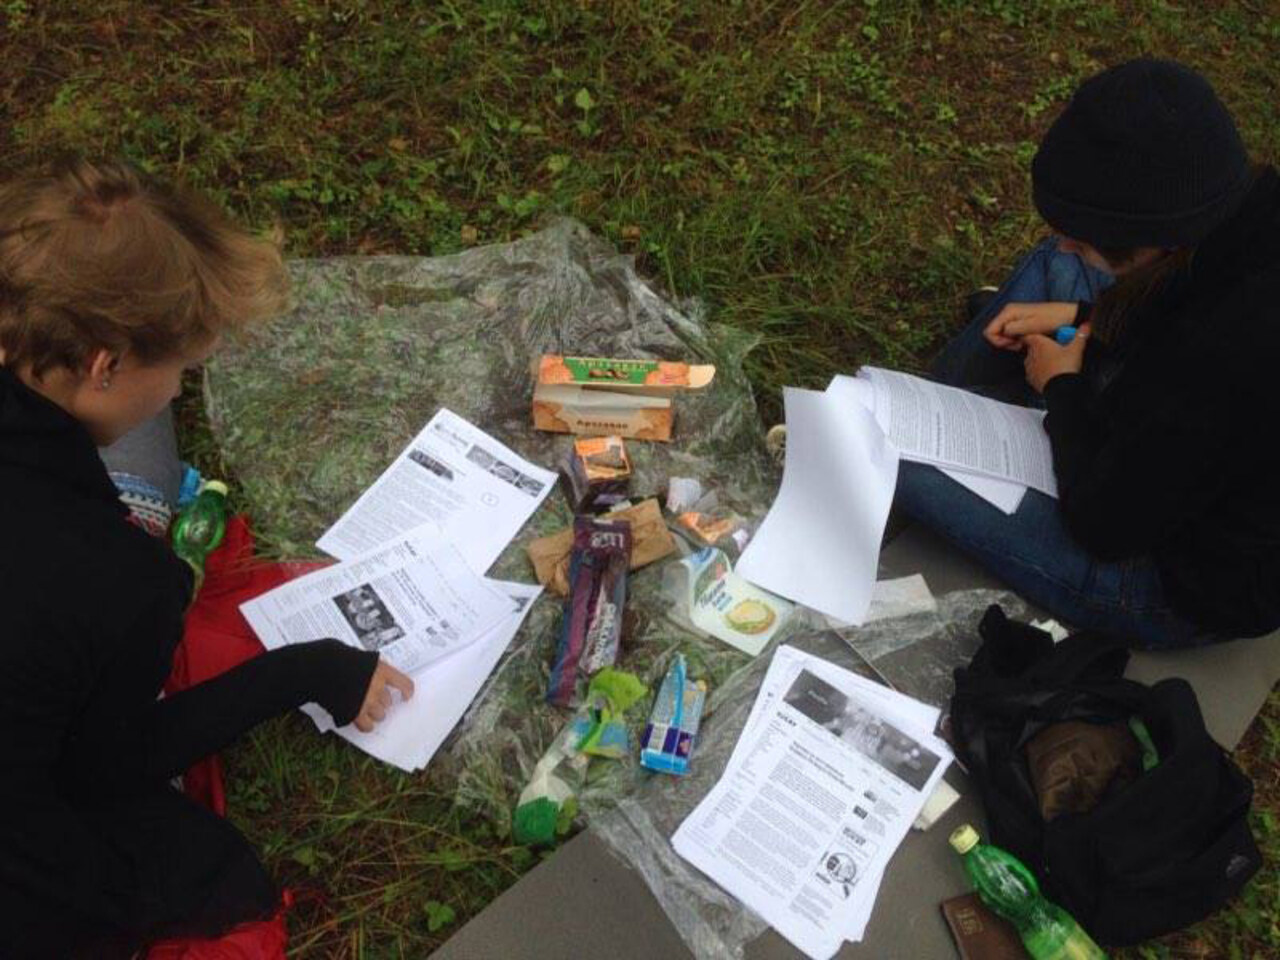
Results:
1124 486
176 731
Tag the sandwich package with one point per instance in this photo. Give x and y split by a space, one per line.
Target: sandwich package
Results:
706 596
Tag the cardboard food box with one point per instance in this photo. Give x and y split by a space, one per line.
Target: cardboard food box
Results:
596 396
595 473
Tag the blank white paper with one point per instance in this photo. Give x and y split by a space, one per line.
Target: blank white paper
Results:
820 543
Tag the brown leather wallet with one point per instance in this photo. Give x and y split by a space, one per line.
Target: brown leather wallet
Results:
979 933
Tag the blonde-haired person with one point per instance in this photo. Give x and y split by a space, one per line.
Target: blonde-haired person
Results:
111 285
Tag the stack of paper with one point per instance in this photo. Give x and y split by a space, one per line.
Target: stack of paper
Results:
825 781
820 543
996 450
414 731
413 548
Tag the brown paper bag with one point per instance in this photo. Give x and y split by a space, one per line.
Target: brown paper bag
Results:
650 541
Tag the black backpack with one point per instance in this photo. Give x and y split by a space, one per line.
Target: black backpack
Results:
1156 855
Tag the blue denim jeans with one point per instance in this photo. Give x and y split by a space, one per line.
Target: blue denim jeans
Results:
1031 550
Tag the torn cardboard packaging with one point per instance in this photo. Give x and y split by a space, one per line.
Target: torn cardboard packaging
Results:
650 541
595 474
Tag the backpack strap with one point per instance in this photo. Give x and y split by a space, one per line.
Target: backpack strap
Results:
1018 651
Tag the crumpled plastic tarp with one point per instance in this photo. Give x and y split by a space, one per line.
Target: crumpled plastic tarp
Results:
309 412
915 654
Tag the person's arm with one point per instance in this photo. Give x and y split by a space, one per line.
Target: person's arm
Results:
166 736
197 722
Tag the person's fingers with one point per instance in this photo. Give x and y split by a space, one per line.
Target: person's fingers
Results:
995 327
1036 344
363 723
1081 339
398 680
1000 341
1023 326
384 697
376 712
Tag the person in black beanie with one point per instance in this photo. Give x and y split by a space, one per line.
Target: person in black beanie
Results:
1165 259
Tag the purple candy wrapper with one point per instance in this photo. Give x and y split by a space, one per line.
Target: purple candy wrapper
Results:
592 625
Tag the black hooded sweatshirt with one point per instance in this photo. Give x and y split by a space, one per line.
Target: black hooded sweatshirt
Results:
1177 456
94 842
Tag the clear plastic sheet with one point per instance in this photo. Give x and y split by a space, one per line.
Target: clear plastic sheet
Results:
915 654
311 411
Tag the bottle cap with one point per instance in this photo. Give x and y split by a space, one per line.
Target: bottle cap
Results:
217 486
964 839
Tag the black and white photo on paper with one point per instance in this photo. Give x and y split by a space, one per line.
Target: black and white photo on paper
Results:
368 617
504 471
863 729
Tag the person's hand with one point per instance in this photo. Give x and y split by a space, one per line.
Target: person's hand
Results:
1018 320
377 699
1046 358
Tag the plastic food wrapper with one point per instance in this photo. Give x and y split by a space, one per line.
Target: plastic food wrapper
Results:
548 804
911 653
683 493
601 728
311 410
709 529
706 595
672 730
591 631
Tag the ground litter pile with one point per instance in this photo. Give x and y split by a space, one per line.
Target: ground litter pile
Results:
308 413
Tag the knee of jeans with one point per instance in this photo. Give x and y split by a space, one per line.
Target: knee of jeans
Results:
921 489
1069 279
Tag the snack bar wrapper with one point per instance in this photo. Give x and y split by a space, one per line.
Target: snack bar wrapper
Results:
592 627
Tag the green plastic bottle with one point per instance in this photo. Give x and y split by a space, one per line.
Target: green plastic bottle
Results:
1008 887
200 528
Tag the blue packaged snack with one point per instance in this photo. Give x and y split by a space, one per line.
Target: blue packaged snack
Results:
673 725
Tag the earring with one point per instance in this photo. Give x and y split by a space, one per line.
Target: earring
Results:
106 383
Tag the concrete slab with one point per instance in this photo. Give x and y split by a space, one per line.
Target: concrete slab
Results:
584 902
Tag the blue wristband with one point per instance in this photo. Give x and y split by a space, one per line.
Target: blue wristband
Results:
1065 334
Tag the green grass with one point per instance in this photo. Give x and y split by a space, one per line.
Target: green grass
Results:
833 175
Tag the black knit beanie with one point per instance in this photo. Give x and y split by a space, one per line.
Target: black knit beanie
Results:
1144 155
